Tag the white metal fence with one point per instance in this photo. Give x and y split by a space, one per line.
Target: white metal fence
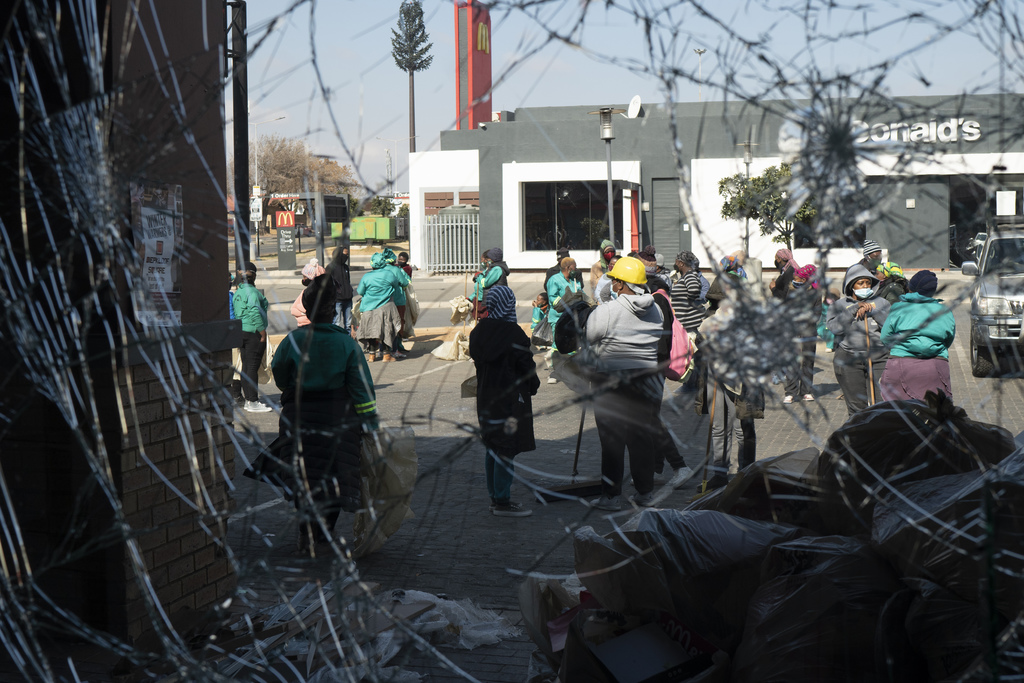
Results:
453 243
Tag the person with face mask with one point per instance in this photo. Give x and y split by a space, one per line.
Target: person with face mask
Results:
872 257
493 272
857 318
561 283
602 265
787 267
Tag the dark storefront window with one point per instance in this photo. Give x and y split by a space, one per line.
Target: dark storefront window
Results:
569 214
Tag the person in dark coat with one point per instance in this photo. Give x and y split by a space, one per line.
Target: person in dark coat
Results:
506 381
327 395
341 276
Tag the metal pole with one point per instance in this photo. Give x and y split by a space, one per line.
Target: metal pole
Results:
700 73
611 198
240 109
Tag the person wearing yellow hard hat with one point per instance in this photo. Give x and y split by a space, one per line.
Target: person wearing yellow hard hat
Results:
623 338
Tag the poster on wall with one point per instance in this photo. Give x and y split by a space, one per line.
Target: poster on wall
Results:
158 229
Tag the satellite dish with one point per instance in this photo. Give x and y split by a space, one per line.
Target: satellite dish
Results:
634 107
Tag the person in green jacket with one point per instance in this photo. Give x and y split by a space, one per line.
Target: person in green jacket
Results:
380 323
250 307
494 272
400 298
918 332
327 402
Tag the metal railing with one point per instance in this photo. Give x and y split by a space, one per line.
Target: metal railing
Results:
452 243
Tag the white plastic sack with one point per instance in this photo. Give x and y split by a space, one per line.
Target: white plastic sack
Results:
461 307
458 623
456 349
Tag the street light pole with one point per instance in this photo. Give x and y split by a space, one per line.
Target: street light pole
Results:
388 161
256 135
700 74
606 134
748 158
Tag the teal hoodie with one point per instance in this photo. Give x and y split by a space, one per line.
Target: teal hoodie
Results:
250 307
919 327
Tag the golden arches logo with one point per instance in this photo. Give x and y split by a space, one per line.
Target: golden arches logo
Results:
483 38
286 219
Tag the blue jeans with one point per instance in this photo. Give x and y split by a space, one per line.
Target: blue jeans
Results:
499 474
343 314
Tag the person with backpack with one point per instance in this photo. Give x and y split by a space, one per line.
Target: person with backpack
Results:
674 358
622 340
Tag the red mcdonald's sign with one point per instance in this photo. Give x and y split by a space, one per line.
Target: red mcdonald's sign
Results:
285 219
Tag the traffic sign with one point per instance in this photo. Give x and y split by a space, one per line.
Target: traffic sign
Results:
255 210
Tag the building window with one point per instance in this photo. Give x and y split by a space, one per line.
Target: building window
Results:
572 214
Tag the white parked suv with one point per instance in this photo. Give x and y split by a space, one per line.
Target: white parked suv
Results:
997 305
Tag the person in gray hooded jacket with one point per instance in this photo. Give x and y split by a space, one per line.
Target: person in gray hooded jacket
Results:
860 358
623 336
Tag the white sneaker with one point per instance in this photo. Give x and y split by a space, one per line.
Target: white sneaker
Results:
257 407
787 400
609 503
680 477
552 380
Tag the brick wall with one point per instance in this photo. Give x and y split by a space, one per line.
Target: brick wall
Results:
160 497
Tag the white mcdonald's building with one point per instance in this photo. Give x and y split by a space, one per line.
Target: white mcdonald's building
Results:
539 176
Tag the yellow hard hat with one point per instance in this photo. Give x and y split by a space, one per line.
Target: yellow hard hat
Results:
629 269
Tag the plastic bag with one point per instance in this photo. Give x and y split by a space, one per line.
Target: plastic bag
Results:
901 442
771 490
461 307
458 623
933 529
266 373
388 470
456 349
814 616
943 629
700 566
541 335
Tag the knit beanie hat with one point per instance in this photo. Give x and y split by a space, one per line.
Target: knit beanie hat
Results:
924 283
649 255
870 247
312 269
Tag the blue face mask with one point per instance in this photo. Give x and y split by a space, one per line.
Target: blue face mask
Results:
863 293
615 295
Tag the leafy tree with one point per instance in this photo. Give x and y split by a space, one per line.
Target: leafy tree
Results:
288 166
763 198
355 207
381 206
403 211
411 50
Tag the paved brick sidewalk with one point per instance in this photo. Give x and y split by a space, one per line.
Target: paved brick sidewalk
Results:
455 547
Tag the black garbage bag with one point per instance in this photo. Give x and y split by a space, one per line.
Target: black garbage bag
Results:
814 616
963 531
700 566
898 442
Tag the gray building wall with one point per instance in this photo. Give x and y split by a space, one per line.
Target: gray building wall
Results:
717 130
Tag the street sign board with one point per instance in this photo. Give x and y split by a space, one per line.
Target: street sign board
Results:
255 210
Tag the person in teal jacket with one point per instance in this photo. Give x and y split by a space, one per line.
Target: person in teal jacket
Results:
561 282
400 298
919 331
250 307
327 402
380 323
494 272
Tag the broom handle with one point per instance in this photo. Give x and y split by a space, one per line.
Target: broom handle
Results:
871 369
579 440
711 424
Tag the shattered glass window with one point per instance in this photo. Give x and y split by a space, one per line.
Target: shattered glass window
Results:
814 475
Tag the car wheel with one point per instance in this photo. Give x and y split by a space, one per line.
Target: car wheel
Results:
981 361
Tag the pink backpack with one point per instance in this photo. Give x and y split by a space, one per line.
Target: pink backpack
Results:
680 355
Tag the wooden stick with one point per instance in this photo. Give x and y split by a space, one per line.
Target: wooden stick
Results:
871 369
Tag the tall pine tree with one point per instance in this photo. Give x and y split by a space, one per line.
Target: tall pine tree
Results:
410 49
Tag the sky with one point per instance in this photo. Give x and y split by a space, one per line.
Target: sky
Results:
327 66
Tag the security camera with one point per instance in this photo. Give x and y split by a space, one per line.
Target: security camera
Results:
482 126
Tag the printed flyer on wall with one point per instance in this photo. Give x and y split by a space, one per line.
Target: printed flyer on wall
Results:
158 228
